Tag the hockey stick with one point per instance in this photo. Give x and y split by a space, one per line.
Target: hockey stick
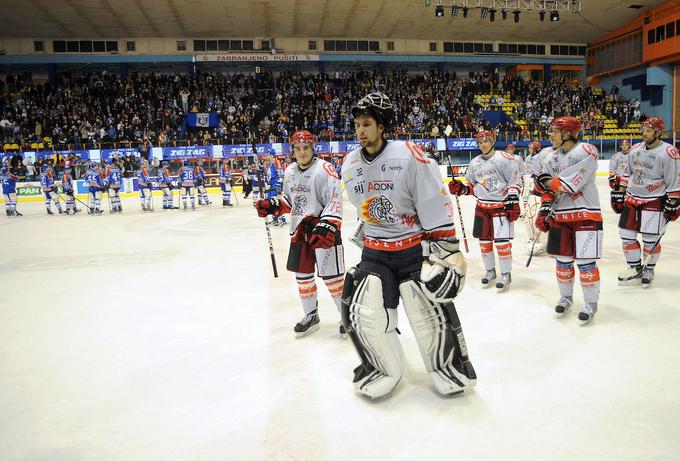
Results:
533 244
460 214
87 207
658 240
259 116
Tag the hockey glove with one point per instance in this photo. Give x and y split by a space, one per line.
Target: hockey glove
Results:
541 182
456 187
616 199
442 275
512 207
545 218
323 235
613 182
671 208
266 207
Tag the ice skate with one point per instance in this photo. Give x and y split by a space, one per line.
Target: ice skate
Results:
504 282
308 325
49 211
489 277
647 277
342 331
563 306
630 276
587 312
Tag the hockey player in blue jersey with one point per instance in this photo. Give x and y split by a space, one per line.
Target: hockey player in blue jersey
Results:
95 183
49 188
9 190
225 183
186 180
145 186
273 180
165 183
199 178
67 187
254 173
114 179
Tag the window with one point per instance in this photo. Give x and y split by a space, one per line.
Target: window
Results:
488 48
59 46
448 47
564 50
433 46
670 30
540 49
467 47
72 46
111 46
522 49
374 45
181 45
650 36
311 45
352 45
478 47
390 46
38 45
581 50
340 45
363 45
130 46
99 46
512 48
211 45
573 50
199 45
531 49
248 45
85 46
502 47
329 45
554 49
223 45
660 33
457 47
235 45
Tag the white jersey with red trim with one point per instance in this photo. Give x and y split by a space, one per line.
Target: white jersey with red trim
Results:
399 195
494 178
313 192
618 164
535 166
577 199
652 173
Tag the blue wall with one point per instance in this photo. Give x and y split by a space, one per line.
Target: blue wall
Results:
652 86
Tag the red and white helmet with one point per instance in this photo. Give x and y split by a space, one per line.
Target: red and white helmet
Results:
485 134
302 136
624 141
510 148
568 125
656 123
536 145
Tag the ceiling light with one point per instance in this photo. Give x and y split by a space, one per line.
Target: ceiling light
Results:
484 13
541 15
492 14
454 11
554 16
439 11
465 11
516 15
504 12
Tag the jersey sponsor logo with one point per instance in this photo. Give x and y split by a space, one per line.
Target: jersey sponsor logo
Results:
380 185
409 220
299 205
378 210
418 153
301 188
590 150
655 187
672 152
330 169
359 188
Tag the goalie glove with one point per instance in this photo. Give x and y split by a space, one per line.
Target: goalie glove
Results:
323 235
541 182
671 208
613 182
271 206
442 275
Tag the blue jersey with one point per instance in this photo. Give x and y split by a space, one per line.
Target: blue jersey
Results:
9 182
271 176
164 176
144 179
199 175
94 179
47 180
66 182
225 174
113 176
186 175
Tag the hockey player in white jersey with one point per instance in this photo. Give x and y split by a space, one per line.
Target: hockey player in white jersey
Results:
225 183
648 198
618 165
410 250
570 213
494 179
311 194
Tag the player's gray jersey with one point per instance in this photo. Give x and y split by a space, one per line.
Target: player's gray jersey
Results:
576 171
312 192
618 164
652 173
521 165
537 161
494 178
400 196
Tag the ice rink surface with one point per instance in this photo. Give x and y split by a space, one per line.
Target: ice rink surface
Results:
164 336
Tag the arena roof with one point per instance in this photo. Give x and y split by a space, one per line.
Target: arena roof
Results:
377 19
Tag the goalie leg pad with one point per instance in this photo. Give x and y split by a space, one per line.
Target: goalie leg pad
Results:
440 339
372 329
